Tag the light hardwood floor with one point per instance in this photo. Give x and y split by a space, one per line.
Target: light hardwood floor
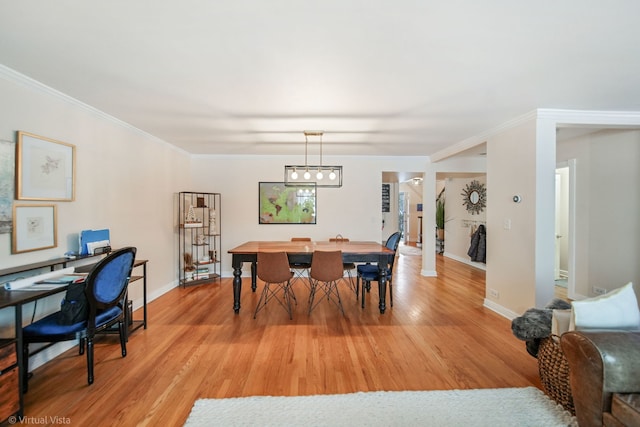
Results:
437 336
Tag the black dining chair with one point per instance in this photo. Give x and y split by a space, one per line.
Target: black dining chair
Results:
368 273
106 291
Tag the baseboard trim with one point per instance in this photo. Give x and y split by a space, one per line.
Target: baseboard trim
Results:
504 312
467 261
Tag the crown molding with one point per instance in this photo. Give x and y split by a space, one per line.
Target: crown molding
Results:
595 118
591 117
15 77
481 138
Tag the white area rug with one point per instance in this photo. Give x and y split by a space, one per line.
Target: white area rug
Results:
409 250
480 407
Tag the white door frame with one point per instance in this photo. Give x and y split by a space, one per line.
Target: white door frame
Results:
571 242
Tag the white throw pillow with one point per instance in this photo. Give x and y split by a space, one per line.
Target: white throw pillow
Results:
617 309
560 321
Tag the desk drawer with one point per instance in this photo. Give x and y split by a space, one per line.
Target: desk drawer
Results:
9 393
9 390
8 355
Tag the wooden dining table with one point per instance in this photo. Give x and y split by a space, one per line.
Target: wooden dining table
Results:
302 252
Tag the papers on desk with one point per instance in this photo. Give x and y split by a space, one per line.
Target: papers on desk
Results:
28 284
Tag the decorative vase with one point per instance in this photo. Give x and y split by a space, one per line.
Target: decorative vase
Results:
440 233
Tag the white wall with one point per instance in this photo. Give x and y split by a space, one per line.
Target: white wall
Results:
608 208
125 182
354 210
457 230
511 253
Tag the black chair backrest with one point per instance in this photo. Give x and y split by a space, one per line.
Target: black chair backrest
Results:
107 282
392 243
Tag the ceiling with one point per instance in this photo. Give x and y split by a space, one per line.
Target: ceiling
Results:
408 77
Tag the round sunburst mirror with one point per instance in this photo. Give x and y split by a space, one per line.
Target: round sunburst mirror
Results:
474 197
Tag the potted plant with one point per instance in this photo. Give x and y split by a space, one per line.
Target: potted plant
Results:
440 219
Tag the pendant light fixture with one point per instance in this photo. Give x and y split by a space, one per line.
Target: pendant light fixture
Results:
321 175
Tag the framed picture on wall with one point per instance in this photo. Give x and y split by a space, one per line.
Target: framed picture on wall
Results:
286 204
34 228
45 169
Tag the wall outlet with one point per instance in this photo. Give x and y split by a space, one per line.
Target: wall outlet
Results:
599 291
494 294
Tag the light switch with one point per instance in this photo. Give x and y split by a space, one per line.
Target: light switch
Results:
507 224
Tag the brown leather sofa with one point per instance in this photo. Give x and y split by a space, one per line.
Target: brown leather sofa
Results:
605 376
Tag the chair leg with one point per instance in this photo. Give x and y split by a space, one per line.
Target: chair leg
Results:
352 283
263 295
389 284
268 293
81 344
123 338
365 285
328 288
90 360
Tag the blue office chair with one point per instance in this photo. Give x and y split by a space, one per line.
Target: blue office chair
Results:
106 292
371 273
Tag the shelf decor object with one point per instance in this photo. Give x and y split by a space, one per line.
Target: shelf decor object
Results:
34 228
199 237
279 203
320 175
45 169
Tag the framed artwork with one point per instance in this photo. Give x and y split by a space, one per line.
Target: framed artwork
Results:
34 228
45 169
286 204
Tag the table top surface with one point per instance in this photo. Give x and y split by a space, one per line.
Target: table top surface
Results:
21 296
306 247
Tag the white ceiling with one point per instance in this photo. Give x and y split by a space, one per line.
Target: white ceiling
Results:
378 77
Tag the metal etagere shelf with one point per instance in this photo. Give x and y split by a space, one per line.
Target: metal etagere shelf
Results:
199 229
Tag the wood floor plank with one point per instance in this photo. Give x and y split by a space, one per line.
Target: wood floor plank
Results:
436 336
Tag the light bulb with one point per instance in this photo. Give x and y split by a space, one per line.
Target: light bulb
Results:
319 175
332 175
294 174
307 175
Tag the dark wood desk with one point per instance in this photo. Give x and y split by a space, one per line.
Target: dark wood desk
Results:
18 298
301 252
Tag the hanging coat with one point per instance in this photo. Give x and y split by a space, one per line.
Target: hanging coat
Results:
478 249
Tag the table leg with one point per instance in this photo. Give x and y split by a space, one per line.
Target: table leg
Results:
382 289
20 356
254 275
237 287
383 262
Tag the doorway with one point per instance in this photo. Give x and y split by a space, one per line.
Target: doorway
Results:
564 229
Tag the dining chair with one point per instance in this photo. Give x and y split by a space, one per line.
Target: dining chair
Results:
326 270
368 273
301 269
106 291
273 270
348 267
